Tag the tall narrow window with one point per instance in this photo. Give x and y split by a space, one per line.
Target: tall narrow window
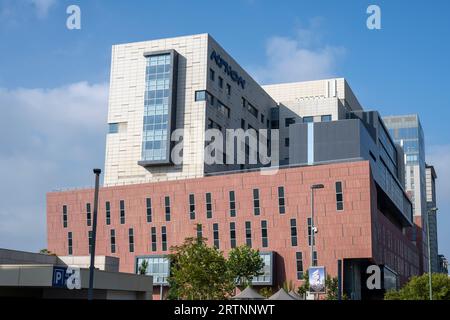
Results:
299 262
192 206
88 214
149 209
315 261
199 231
122 211
310 233
153 238
264 238
220 82
108 212
232 204
228 89
339 196
293 232
164 238
256 210
212 74
131 239
64 211
113 240
281 203
167 205
233 234
69 243
216 235
208 205
248 233
90 240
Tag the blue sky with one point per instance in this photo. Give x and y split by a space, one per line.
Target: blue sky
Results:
54 81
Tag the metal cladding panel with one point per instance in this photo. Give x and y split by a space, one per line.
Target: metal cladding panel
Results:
298 148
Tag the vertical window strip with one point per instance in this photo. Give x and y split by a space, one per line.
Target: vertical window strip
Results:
232 204
167 205
122 211
153 238
149 209
309 233
293 232
108 212
299 265
233 234
208 199
192 206
88 214
256 209
248 233
264 237
216 235
281 202
339 196
131 239
199 231
163 238
69 243
90 240
113 240
64 209
315 259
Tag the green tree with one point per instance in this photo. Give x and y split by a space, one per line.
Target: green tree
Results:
47 252
418 288
143 267
331 284
199 272
244 264
266 292
303 289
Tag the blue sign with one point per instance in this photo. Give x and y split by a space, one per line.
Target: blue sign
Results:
227 68
59 277
317 279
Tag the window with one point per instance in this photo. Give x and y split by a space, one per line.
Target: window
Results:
299 262
286 142
315 261
281 203
232 204
64 210
90 240
214 125
253 111
113 240
122 211
293 232
153 238
220 82
167 205
200 95
228 89
158 268
216 235
242 124
208 205
131 239
264 239
212 75
113 127
256 209
88 214
308 119
199 231
149 209
163 238
69 243
223 109
248 233
288 121
192 206
325 118
309 232
108 213
339 196
262 118
243 102
233 235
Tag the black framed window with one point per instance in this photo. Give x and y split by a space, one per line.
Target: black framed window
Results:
299 265
212 75
228 89
264 235
315 258
199 231
88 214
256 209
248 233
108 212
281 202
339 196
131 239
192 206
122 211
216 235
293 232
232 204
113 240
64 212
233 234
167 206
148 202
164 238
153 238
208 199
69 243
220 82
310 232
288 121
90 240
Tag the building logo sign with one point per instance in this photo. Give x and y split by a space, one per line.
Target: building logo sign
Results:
221 63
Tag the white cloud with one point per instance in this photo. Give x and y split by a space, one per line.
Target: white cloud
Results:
42 7
50 138
439 157
299 58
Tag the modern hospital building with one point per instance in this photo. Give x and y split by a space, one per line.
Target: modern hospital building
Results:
149 202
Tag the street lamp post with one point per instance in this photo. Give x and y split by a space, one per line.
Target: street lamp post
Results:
94 236
313 228
429 251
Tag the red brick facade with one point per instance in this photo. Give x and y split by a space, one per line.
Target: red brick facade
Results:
359 231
